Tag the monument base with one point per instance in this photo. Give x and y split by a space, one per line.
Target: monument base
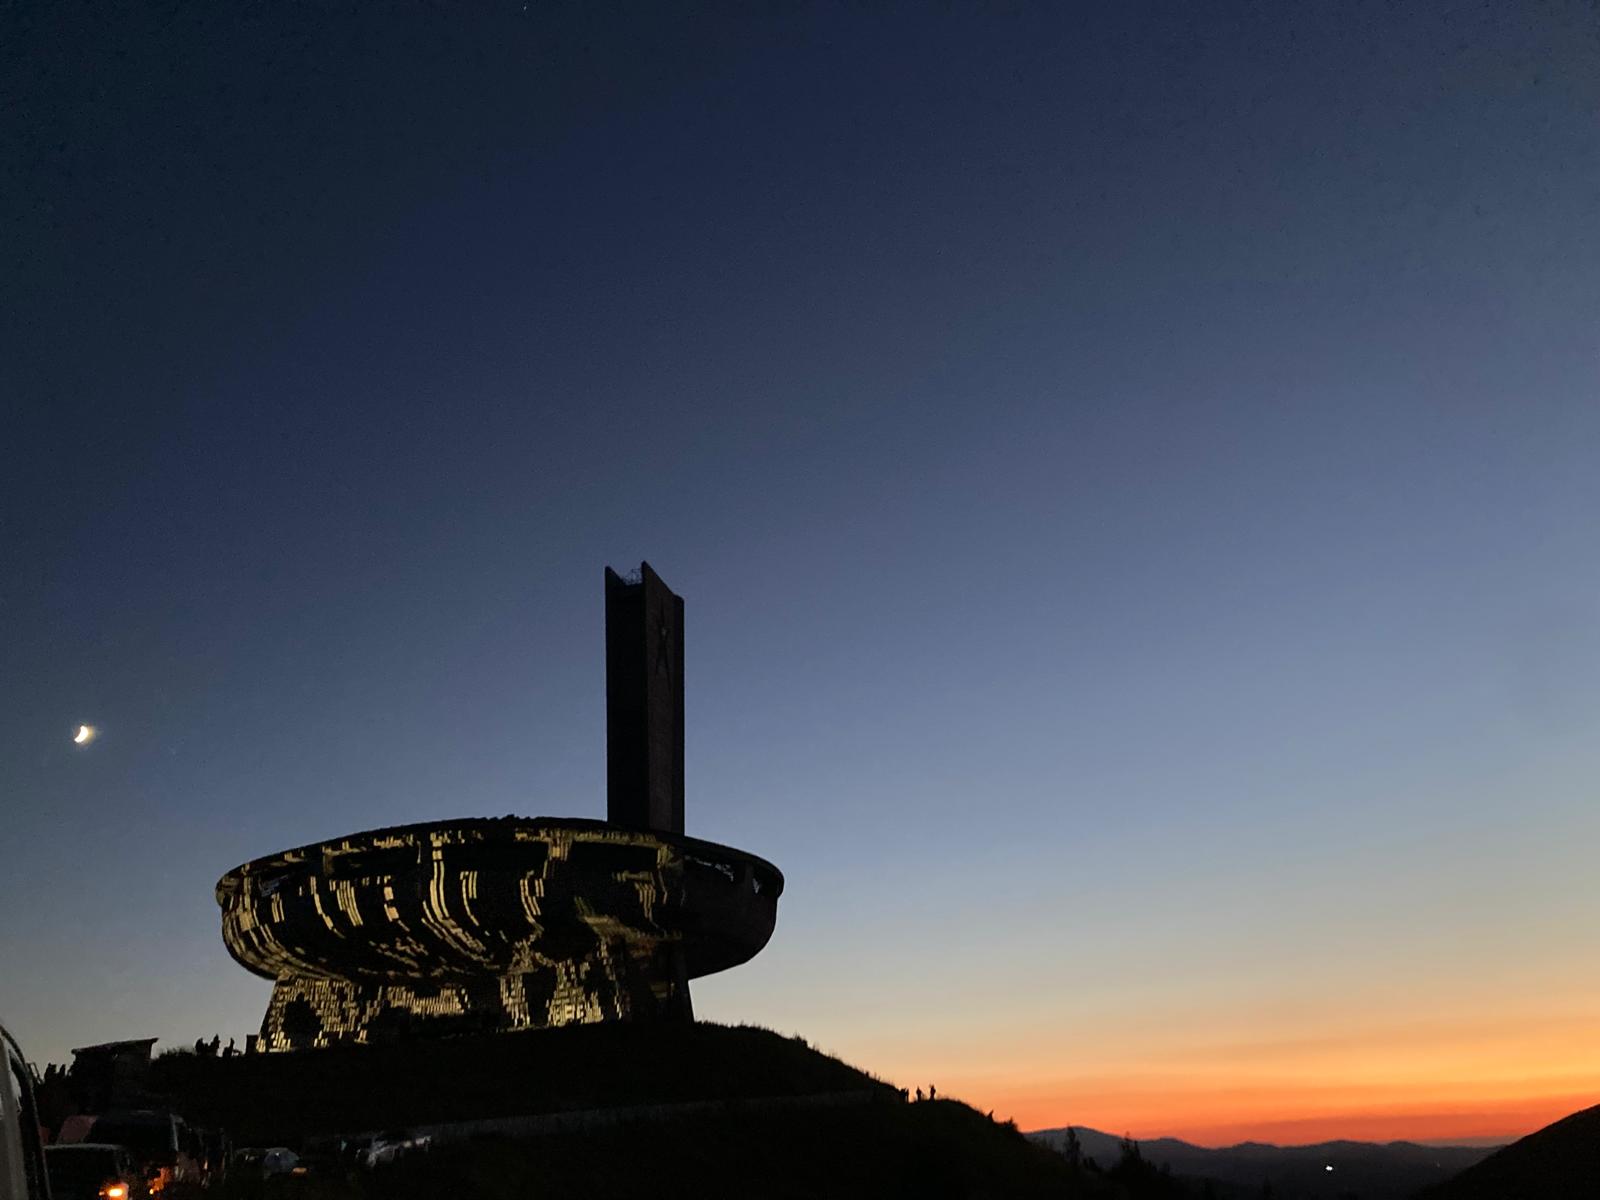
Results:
613 985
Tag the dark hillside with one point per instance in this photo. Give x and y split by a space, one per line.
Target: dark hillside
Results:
627 1110
269 1099
937 1150
1557 1162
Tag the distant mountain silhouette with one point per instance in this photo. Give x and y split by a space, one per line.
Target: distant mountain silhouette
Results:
1371 1170
1557 1162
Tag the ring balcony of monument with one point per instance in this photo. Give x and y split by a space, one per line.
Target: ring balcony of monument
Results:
490 924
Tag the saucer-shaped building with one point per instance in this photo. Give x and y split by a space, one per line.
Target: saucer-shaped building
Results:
486 924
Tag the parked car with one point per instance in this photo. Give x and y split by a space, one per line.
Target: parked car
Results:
93 1171
22 1171
325 1156
387 1147
265 1162
280 1160
162 1146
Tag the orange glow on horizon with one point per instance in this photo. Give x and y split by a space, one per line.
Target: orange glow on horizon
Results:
1505 1120
1218 1083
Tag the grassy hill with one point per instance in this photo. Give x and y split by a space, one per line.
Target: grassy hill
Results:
273 1099
1558 1161
649 1110
938 1150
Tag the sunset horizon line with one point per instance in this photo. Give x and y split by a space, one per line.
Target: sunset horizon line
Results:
1424 1128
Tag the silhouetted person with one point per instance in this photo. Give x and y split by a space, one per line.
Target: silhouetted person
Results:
199 1045
230 1051
215 1044
933 1092
919 1094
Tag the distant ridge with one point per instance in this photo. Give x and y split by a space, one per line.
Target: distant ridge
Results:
1372 1170
1559 1161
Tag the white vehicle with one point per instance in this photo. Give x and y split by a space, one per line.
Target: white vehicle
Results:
387 1147
22 1171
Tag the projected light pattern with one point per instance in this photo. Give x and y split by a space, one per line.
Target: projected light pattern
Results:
481 925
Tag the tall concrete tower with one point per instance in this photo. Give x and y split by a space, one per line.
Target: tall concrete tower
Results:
644 703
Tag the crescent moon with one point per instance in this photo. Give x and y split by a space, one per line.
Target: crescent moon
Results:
85 734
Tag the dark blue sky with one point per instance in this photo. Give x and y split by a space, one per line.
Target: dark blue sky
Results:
1131 469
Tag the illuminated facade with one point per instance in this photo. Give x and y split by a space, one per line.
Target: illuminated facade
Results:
514 923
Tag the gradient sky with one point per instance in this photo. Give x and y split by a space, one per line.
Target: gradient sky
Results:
1133 471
